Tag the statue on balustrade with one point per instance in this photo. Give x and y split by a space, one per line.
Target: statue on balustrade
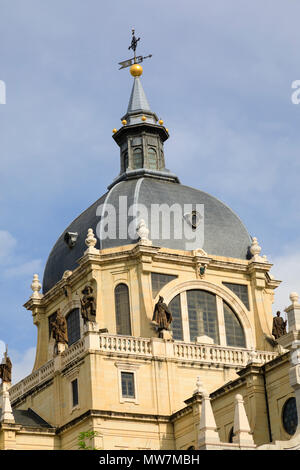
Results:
59 332
5 369
162 316
88 305
279 326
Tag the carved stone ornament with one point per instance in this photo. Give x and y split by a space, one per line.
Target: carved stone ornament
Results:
88 305
162 316
36 287
59 332
143 233
5 369
279 326
255 250
91 242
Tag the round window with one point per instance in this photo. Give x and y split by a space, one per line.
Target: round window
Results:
289 416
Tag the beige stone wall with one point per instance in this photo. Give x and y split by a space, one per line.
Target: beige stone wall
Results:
164 380
251 387
133 265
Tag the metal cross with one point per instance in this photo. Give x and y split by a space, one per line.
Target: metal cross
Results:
135 59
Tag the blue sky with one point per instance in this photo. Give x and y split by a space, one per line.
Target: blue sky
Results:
220 77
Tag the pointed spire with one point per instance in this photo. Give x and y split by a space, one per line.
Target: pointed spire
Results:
6 410
208 433
241 428
139 110
138 99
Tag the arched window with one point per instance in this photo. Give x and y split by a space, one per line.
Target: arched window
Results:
176 324
122 310
197 312
152 160
234 331
73 326
125 161
202 312
137 158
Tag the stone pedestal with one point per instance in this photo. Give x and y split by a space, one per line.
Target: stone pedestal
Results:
166 334
204 339
61 347
91 336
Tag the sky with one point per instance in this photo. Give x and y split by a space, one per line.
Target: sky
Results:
221 79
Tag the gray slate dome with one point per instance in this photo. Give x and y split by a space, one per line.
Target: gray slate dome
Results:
224 233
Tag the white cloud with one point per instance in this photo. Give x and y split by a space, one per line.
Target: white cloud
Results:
25 269
22 363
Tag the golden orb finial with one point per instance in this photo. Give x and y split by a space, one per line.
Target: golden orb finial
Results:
124 122
114 130
160 122
143 118
136 70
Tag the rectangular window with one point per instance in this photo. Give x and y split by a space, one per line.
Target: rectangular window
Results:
74 392
159 281
240 290
73 325
127 383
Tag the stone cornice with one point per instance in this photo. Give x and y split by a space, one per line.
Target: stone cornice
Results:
138 251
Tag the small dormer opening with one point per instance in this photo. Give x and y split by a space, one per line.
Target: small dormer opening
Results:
137 158
152 159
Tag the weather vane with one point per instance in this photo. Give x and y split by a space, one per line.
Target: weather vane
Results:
136 59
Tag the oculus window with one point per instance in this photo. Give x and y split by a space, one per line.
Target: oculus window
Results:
290 416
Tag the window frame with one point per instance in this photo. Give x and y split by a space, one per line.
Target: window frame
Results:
122 283
220 317
128 368
79 324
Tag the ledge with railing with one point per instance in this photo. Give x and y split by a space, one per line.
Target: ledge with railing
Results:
147 348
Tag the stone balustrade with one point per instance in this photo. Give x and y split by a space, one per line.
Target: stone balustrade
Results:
237 357
125 345
36 378
72 352
129 346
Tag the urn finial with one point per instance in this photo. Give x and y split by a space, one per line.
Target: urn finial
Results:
36 287
90 242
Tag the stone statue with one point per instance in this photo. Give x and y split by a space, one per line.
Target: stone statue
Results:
5 369
279 326
162 315
88 305
59 330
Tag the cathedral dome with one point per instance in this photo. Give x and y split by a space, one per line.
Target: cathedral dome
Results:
177 216
222 232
